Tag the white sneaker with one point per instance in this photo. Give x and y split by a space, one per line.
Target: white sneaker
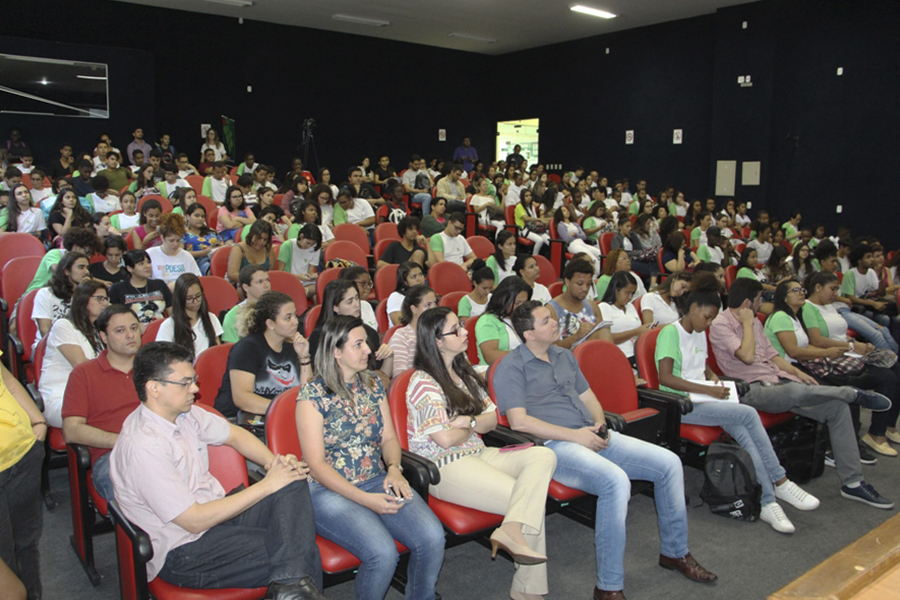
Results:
774 516
791 493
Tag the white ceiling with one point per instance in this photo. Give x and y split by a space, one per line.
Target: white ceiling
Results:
514 24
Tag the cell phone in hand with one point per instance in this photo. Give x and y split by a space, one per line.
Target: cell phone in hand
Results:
603 432
397 497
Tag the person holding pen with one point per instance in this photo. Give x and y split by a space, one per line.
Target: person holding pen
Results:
680 357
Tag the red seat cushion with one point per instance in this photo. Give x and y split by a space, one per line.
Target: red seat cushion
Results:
461 520
335 559
563 493
98 500
165 591
773 419
703 435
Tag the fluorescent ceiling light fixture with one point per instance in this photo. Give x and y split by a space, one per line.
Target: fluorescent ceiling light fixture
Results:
476 38
97 78
360 20
594 12
240 3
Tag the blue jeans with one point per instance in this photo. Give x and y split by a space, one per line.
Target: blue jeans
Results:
879 335
425 199
370 537
743 424
100 476
607 475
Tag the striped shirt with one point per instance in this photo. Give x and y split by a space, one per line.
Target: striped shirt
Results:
403 343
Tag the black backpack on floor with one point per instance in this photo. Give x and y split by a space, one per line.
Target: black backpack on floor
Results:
731 488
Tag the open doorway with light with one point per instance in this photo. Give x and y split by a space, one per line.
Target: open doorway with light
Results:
524 133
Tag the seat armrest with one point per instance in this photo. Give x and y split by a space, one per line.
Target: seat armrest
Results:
82 456
661 400
140 541
615 422
504 436
420 472
35 396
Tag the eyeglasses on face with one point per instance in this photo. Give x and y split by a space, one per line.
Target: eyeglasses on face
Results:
195 298
457 331
101 299
797 290
184 384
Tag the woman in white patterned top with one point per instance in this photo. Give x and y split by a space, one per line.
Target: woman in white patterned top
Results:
448 408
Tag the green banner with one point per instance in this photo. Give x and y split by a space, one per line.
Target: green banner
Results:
228 135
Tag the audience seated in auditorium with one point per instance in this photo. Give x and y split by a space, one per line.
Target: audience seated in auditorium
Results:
191 325
166 489
272 358
349 442
89 416
743 351
541 390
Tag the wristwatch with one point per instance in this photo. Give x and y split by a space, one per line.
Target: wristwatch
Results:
472 422
398 465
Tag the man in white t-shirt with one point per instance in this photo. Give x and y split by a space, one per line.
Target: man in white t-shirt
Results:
358 210
216 185
514 191
449 245
418 192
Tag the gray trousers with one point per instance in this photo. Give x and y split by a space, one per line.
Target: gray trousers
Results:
823 403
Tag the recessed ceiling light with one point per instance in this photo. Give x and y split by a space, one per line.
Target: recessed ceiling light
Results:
360 20
44 81
240 3
594 12
476 38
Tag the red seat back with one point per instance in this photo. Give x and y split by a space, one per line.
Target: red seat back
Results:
645 352
220 295
212 211
281 424
347 251
16 276
37 358
386 231
711 357
163 202
730 275
606 242
324 278
549 276
386 281
397 403
390 333
351 232
451 300
481 246
472 350
218 262
196 182
446 277
289 284
150 331
309 321
15 245
210 367
609 374
381 246
556 289
637 305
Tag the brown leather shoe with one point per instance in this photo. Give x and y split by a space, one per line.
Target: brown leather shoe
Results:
688 567
608 595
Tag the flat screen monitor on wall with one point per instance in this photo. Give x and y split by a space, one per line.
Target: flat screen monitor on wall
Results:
50 87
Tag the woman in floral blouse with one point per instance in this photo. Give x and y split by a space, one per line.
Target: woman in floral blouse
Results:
448 408
361 500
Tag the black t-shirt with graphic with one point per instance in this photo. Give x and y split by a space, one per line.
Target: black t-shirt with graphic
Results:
148 303
274 371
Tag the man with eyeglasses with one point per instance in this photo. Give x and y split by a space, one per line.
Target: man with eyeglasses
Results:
204 537
100 393
449 245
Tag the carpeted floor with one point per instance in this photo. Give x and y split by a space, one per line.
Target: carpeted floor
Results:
751 559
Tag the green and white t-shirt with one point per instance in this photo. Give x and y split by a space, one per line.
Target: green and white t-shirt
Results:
859 284
688 350
781 321
827 319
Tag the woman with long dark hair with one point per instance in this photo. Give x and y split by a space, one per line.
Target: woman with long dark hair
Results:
19 215
494 333
51 303
660 305
409 274
272 358
341 297
448 408
233 214
67 212
530 223
191 324
359 495
72 341
146 234
616 307
199 240
502 261
255 248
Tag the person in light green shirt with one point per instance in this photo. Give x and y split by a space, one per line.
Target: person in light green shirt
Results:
494 333
254 280
791 228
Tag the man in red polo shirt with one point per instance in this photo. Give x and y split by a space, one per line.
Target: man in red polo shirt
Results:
100 393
